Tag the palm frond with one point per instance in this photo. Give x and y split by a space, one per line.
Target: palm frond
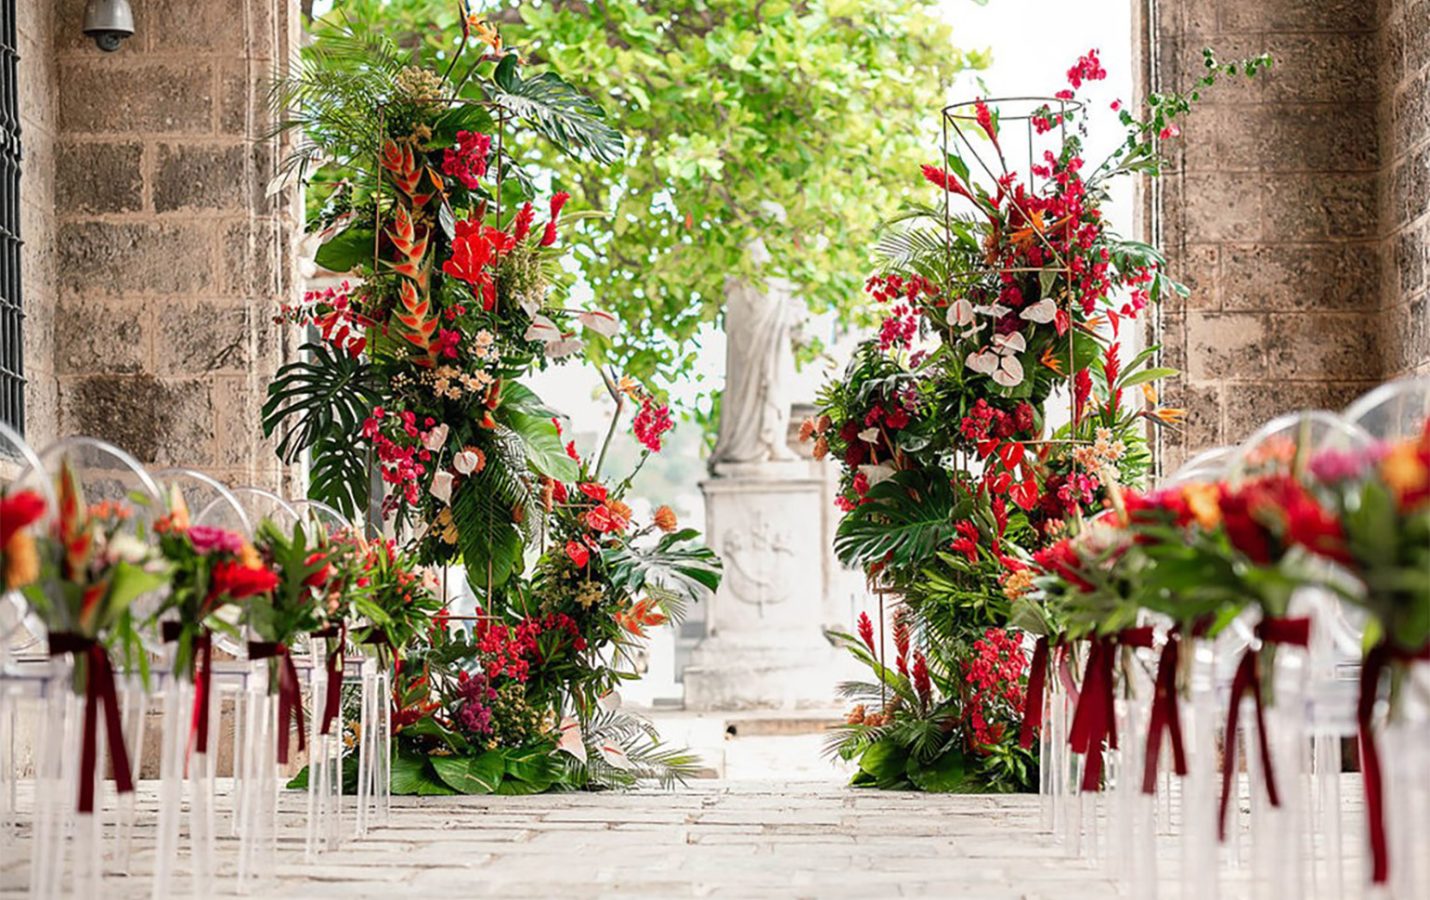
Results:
648 759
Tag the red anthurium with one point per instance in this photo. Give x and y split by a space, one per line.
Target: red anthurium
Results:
578 554
595 491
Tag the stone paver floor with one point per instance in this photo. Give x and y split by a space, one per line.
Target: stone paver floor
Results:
714 839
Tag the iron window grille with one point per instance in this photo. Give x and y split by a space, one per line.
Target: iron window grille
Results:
12 368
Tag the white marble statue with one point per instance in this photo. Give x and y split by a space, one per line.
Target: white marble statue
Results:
759 362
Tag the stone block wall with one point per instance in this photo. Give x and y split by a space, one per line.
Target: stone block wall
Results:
1405 188
156 255
1272 213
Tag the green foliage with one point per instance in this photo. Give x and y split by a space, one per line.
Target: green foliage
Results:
909 516
673 575
327 394
746 120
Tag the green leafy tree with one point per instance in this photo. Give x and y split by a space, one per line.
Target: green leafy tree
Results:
801 123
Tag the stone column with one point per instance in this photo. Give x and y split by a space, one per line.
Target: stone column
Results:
1269 213
171 260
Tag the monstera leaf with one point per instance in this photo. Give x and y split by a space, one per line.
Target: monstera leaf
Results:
672 574
327 394
564 115
909 515
338 474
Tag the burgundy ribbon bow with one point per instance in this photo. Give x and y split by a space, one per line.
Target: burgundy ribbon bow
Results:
202 676
1037 686
98 690
1380 656
1165 716
290 697
1094 719
333 699
1294 632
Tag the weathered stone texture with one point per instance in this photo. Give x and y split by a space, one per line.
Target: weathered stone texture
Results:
1297 209
149 230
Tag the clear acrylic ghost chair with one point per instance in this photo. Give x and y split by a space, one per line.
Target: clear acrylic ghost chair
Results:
105 472
1309 695
256 784
19 685
325 750
185 757
1187 805
1397 411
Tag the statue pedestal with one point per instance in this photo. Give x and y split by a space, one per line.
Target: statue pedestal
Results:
764 644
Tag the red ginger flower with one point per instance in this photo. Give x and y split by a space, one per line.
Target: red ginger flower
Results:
866 633
922 684
946 180
548 236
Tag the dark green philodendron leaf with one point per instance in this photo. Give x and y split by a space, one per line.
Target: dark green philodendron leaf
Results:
328 394
471 774
886 761
530 420
347 250
947 774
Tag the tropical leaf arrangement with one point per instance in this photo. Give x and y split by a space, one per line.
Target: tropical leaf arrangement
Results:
408 404
1000 404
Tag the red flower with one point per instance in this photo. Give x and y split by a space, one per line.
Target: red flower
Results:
320 577
1087 68
468 161
524 218
967 542
945 179
578 554
866 632
601 521
548 236
17 511
571 451
650 423
985 121
922 683
595 491
237 581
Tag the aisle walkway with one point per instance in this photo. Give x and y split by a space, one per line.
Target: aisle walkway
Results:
715 839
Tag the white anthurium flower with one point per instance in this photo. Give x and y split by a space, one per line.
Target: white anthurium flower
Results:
876 474
869 435
442 486
984 362
571 740
961 313
603 323
1042 312
1009 372
615 757
993 310
610 701
436 437
563 348
1009 343
465 462
531 306
542 329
